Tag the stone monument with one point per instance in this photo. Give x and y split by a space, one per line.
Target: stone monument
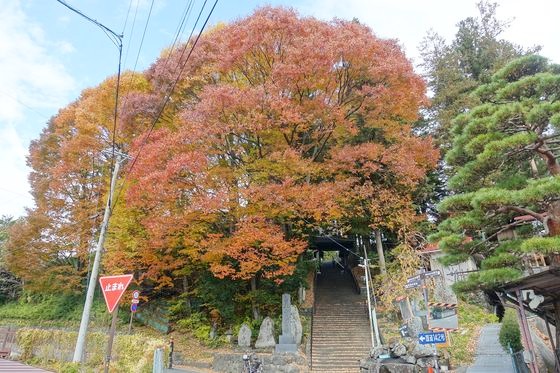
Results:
297 328
287 340
244 336
266 334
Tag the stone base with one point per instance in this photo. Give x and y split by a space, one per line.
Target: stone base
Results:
285 347
286 340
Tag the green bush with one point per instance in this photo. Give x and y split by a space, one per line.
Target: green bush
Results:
38 308
510 336
199 326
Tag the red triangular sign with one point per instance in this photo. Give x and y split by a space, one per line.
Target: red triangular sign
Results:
113 288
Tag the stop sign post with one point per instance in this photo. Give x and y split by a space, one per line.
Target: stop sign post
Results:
113 288
133 307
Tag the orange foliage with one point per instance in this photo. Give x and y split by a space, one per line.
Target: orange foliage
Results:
256 247
279 125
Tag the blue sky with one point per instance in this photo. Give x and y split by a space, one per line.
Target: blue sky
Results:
48 54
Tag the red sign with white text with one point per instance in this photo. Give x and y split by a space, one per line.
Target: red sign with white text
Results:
113 288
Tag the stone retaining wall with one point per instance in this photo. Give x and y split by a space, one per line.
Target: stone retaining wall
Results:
272 363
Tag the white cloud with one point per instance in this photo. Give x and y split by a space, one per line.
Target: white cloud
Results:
65 47
409 20
14 188
31 78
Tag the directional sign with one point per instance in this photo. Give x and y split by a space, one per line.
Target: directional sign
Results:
414 278
134 307
432 338
113 288
435 273
413 284
404 330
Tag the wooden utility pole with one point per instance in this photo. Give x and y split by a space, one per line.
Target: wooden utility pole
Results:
80 342
380 253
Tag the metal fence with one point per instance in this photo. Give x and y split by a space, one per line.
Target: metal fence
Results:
518 361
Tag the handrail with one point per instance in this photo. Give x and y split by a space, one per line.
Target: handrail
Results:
356 283
312 316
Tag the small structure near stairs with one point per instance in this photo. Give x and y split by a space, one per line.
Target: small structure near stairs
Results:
287 340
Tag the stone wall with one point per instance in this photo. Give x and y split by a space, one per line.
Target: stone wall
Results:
271 363
406 357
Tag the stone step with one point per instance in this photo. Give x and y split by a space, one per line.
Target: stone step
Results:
338 368
335 359
342 337
338 351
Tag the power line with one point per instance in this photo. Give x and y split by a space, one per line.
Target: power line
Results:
185 16
128 14
131 33
179 31
143 35
172 88
117 40
113 36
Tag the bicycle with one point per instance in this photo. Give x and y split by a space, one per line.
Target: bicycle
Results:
251 364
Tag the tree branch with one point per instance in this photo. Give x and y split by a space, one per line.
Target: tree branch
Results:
522 210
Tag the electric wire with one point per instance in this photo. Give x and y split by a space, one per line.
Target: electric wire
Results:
44 116
113 36
127 15
179 31
168 96
186 13
117 40
172 88
131 34
143 35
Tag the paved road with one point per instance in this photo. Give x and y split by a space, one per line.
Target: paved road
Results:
490 356
15 367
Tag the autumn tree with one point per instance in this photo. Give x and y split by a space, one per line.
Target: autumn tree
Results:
506 161
273 127
279 125
70 161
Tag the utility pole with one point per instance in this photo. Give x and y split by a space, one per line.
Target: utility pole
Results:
380 253
79 351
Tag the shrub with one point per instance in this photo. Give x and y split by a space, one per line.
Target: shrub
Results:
510 336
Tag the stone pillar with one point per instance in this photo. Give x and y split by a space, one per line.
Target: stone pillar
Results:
287 340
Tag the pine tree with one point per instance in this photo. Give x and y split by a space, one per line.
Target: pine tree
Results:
505 153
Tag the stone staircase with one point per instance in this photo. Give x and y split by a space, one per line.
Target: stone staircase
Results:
341 334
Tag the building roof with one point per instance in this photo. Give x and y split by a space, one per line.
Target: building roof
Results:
331 243
546 283
430 248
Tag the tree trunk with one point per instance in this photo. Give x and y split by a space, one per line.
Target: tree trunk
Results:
188 305
552 221
380 253
256 314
